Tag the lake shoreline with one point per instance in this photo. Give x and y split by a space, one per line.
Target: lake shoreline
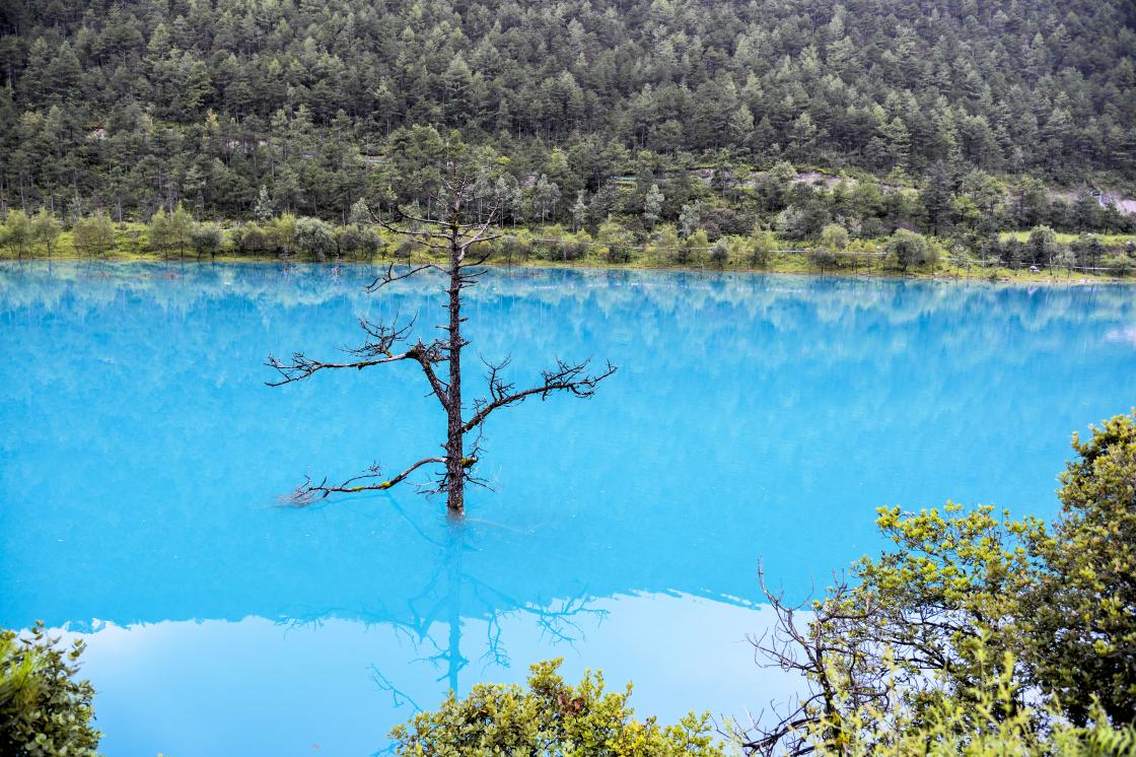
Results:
780 267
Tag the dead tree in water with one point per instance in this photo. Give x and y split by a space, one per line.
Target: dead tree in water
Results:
466 248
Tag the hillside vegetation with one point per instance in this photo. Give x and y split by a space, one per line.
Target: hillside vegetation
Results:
129 106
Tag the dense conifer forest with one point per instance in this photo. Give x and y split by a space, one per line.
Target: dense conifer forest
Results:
961 119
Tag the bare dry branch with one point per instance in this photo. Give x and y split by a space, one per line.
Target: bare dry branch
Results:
309 492
389 276
570 378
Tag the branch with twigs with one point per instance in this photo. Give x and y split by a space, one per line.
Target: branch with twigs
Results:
840 676
571 378
372 480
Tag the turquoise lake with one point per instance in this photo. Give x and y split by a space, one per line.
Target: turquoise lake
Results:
753 419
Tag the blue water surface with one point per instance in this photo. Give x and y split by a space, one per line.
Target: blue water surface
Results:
753 418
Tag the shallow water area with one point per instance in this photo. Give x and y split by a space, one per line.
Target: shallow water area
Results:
753 418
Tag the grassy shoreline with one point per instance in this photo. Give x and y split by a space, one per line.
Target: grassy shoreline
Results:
781 264
862 258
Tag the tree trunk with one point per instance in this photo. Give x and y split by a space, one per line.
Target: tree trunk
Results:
455 469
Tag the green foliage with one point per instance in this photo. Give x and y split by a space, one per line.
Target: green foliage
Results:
43 709
358 241
689 219
616 243
720 253
550 717
252 110
206 238
908 249
314 237
763 244
252 239
834 237
280 234
46 229
18 232
263 210
1083 608
692 248
904 654
988 718
93 235
1042 245
792 223
171 232
652 206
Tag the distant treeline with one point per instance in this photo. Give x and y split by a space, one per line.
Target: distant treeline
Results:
132 105
177 234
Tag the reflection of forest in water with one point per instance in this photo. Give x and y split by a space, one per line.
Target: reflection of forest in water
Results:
754 417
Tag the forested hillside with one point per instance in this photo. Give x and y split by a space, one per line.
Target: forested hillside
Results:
130 106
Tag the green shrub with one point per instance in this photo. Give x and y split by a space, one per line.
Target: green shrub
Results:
720 253
510 248
763 244
17 232
908 249
206 238
1042 246
93 235
315 237
551 717
405 248
357 241
1119 264
281 234
46 229
913 644
171 232
251 239
834 237
43 709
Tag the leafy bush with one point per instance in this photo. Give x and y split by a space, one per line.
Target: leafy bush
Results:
43 709
1120 264
763 244
206 238
616 241
252 239
46 229
405 249
907 249
551 717
281 234
93 235
834 237
17 232
1082 608
315 237
985 717
792 223
922 624
510 249
171 232
1042 246
357 241
720 253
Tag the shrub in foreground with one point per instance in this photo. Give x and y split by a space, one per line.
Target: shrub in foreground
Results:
909 651
43 709
550 717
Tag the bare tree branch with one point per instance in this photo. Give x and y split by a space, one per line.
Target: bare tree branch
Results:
309 492
389 276
564 378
